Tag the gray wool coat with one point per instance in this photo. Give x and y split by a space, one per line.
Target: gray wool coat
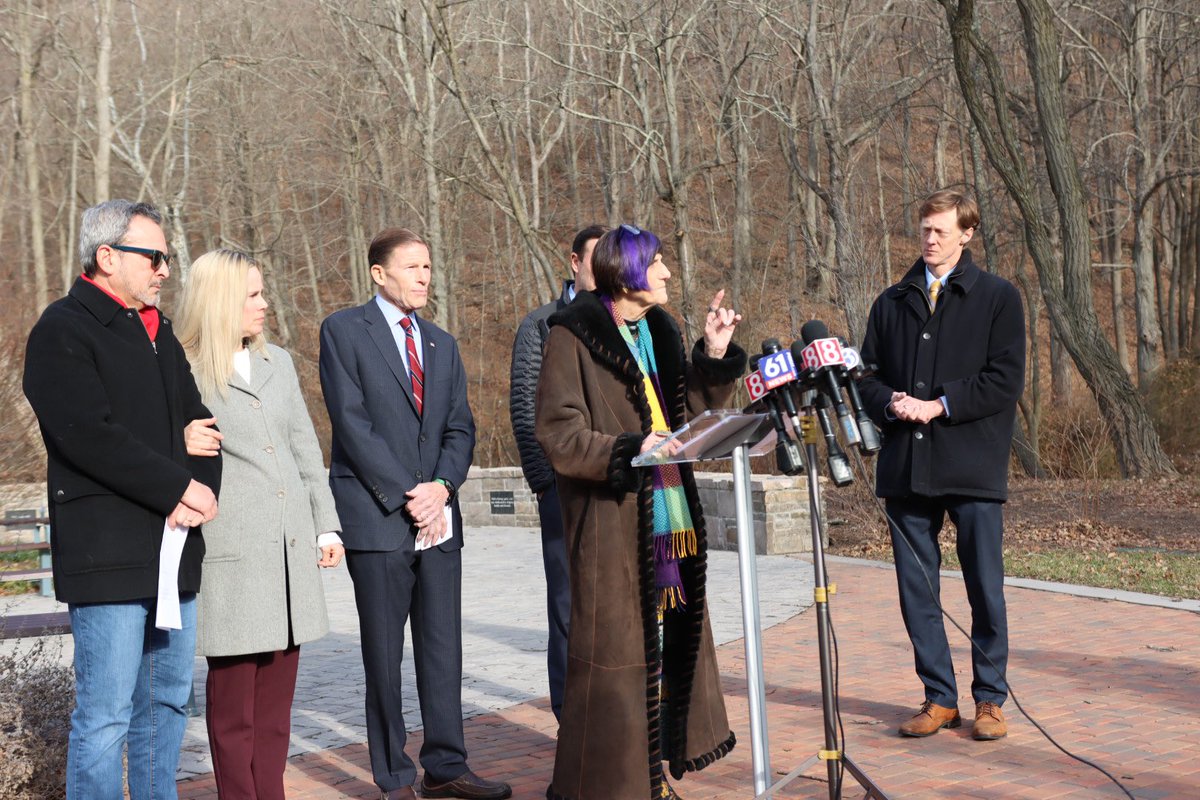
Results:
275 500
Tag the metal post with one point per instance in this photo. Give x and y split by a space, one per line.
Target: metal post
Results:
44 562
834 758
748 574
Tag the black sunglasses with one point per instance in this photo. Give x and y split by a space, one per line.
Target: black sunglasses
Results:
157 257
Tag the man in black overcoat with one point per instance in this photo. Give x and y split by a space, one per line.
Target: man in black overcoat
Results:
112 392
949 342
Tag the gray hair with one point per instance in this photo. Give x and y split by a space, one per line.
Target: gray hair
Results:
106 224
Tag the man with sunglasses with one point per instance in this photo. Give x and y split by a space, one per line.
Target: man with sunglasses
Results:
112 391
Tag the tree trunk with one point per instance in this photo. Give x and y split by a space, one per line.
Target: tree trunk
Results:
27 70
743 207
1061 387
101 167
1145 305
1146 309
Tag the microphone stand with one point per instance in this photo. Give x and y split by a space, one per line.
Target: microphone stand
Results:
831 755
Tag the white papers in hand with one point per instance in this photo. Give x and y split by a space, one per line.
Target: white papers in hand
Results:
445 537
167 616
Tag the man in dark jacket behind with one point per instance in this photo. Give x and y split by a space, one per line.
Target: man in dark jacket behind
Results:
113 392
526 367
949 342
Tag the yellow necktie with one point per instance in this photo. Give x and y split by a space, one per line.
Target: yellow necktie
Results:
934 289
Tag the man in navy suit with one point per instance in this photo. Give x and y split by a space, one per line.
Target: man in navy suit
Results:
403 437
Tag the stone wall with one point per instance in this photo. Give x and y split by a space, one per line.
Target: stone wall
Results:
499 496
781 518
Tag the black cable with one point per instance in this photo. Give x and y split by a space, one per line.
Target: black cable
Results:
837 705
975 646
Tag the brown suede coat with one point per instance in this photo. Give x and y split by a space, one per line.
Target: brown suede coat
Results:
592 416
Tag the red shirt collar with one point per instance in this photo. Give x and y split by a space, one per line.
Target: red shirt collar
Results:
148 314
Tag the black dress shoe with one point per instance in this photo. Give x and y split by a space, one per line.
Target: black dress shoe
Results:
405 793
468 785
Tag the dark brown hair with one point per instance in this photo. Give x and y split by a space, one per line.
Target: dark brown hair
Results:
585 236
388 240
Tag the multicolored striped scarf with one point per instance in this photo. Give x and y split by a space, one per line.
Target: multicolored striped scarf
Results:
674 533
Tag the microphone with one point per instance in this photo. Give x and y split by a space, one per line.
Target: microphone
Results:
772 372
823 354
772 347
849 374
839 466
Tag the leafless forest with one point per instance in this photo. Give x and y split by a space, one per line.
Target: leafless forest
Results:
778 147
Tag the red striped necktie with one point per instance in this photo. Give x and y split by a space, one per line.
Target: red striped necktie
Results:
414 365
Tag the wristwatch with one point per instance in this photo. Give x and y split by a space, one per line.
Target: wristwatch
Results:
449 488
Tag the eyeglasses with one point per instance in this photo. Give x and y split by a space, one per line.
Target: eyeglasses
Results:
157 257
631 229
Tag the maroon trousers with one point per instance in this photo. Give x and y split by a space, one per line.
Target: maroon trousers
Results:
249 718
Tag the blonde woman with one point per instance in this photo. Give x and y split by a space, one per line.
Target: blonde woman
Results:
261 597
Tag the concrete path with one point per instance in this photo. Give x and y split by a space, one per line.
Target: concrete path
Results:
1114 682
504 640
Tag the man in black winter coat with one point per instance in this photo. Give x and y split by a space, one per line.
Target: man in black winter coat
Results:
526 367
949 342
113 391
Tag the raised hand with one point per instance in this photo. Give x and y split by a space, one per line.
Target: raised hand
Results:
719 325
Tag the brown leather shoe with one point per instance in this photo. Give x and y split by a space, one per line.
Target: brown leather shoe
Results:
989 722
931 719
468 785
404 793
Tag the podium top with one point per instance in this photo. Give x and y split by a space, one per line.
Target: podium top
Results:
710 436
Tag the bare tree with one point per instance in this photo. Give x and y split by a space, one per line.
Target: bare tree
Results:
28 38
1066 278
509 194
832 44
1129 68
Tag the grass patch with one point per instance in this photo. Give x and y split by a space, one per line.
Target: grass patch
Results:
16 562
1165 573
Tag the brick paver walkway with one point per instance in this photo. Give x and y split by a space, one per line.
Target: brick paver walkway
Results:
1114 682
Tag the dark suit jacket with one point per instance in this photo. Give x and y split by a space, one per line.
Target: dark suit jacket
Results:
381 446
972 351
112 411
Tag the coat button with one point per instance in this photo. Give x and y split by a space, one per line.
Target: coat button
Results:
293 542
129 314
255 404
280 493
920 384
419 476
60 494
918 435
421 438
925 336
270 450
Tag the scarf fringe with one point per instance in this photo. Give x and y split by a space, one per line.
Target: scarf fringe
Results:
672 598
675 545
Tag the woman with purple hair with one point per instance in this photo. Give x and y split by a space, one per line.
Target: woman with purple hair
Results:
642 683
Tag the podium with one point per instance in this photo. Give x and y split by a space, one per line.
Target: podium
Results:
738 435
717 435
